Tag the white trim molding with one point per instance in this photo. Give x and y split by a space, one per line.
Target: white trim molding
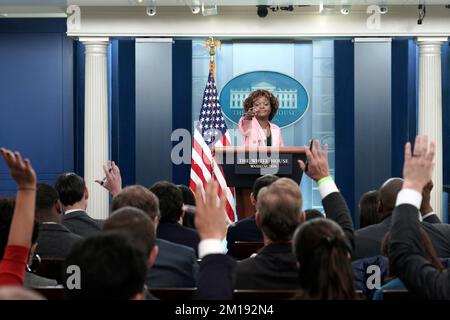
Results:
243 22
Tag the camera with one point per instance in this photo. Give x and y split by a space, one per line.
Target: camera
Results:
195 9
262 11
345 10
151 11
383 9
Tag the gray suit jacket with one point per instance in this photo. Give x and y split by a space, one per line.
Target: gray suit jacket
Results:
80 223
175 267
55 240
33 280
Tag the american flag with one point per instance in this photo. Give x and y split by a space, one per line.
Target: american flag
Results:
211 131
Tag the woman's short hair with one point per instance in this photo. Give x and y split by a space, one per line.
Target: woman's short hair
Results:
248 103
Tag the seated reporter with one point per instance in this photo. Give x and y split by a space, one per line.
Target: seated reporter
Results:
407 256
279 212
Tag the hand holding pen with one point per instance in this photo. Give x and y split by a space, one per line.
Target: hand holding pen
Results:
112 180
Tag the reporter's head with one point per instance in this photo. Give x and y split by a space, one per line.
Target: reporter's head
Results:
111 268
170 200
138 197
279 210
71 189
322 253
138 226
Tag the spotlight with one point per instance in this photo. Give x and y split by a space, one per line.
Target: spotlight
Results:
345 10
422 12
262 11
151 11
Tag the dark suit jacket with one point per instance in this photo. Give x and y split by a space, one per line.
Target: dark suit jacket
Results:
243 230
175 267
407 257
274 267
55 240
175 232
80 223
368 240
432 219
215 278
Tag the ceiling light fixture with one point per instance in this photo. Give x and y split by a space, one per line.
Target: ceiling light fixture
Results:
211 11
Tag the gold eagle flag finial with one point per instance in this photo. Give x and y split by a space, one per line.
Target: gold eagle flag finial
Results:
212 44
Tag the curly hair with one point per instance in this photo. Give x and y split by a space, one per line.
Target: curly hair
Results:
248 103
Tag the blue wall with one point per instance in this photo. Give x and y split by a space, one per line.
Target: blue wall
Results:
403 122
36 90
344 73
404 100
181 100
123 131
372 115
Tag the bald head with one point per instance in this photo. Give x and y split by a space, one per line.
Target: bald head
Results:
138 197
388 194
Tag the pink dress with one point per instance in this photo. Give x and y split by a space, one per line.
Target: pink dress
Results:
254 135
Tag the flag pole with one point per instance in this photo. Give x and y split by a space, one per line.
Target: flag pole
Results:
211 44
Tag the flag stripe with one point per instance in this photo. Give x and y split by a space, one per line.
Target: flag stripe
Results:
211 131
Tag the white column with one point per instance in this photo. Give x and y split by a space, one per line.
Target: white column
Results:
96 124
430 107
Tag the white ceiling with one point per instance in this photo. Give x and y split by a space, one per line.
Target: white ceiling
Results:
57 8
65 3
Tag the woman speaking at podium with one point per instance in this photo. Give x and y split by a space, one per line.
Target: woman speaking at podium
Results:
260 107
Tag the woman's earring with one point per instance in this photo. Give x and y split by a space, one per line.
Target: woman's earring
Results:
35 263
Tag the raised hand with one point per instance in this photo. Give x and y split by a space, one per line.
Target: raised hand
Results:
419 164
210 219
249 114
113 180
317 161
23 218
21 170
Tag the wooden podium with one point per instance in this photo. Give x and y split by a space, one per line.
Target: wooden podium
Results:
243 165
